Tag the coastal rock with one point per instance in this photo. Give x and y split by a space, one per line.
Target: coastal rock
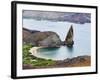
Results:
69 38
37 38
27 36
51 41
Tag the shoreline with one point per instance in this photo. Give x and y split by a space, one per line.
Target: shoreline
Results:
79 61
34 49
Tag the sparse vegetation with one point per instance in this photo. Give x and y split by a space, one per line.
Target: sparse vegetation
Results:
34 61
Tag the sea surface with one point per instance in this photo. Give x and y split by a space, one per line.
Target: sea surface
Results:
82 38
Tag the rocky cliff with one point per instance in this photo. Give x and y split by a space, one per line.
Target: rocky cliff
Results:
47 38
51 41
37 38
69 38
27 36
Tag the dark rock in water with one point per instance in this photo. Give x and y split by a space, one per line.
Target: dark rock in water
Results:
69 38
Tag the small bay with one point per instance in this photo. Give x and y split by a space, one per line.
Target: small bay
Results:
82 38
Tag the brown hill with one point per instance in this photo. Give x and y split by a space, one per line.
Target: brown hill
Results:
37 38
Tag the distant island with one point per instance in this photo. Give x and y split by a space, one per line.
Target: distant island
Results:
79 18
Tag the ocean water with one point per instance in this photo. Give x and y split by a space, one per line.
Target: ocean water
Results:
82 38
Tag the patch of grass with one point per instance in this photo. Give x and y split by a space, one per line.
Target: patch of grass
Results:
42 63
36 62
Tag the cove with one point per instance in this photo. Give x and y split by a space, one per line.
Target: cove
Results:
82 38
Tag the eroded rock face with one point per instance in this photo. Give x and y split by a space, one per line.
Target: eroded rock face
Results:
51 41
46 39
69 38
27 36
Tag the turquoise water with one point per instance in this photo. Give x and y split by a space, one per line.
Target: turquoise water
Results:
82 38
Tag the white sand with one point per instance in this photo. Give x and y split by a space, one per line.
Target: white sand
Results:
34 49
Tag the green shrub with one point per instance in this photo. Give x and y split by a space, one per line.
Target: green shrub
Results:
28 59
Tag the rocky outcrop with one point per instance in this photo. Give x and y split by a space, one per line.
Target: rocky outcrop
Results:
37 38
27 36
69 38
47 38
51 41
